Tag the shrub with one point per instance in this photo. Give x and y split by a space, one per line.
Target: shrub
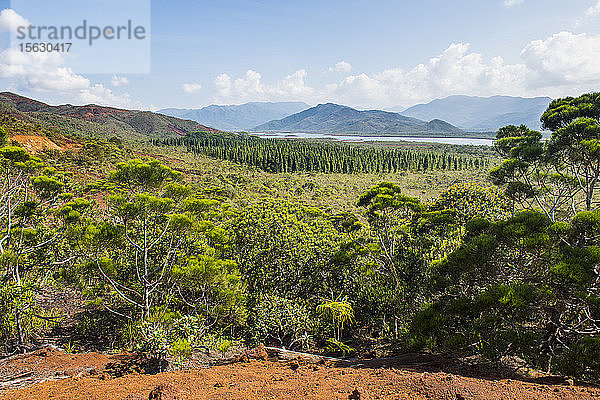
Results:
582 359
282 322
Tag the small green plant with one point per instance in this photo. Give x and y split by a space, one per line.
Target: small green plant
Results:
224 346
17 310
340 311
129 333
282 321
337 347
46 320
181 349
191 327
3 136
153 340
70 347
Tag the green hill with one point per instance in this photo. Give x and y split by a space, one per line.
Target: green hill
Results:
334 118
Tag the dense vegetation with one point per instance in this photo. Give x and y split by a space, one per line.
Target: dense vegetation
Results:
275 155
169 266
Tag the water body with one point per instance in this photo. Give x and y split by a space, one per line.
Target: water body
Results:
353 138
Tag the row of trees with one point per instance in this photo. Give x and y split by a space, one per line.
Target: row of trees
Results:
275 155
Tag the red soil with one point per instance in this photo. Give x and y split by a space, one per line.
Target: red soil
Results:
267 380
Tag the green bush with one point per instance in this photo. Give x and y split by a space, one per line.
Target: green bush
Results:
582 359
282 322
17 312
181 349
3 136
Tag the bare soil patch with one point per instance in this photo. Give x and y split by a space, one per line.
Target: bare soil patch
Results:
35 143
51 364
93 376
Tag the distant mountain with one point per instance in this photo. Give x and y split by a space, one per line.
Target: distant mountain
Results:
483 114
237 117
334 118
93 119
396 109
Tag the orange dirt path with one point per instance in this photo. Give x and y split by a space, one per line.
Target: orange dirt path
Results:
272 380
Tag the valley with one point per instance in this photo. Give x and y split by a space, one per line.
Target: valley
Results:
310 246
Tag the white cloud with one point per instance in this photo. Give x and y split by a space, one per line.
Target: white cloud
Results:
510 3
358 89
191 87
47 73
560 65
342 66
119 81
40 71
454 71
251 88
247 87
291 85
593 11
98 94
10 20
564 58
223 85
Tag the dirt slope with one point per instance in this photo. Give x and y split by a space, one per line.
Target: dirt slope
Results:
90 379
35 143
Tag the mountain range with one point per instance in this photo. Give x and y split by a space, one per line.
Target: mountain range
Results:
450 116
483 114
455 116
334 118
237 117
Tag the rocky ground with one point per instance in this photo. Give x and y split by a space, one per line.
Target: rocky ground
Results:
51 374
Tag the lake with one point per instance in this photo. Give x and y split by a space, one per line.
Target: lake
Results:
357 138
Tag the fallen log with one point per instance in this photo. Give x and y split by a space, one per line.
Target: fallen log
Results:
405 360
4 379
289 355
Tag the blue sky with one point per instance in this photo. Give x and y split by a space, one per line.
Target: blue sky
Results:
366 54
